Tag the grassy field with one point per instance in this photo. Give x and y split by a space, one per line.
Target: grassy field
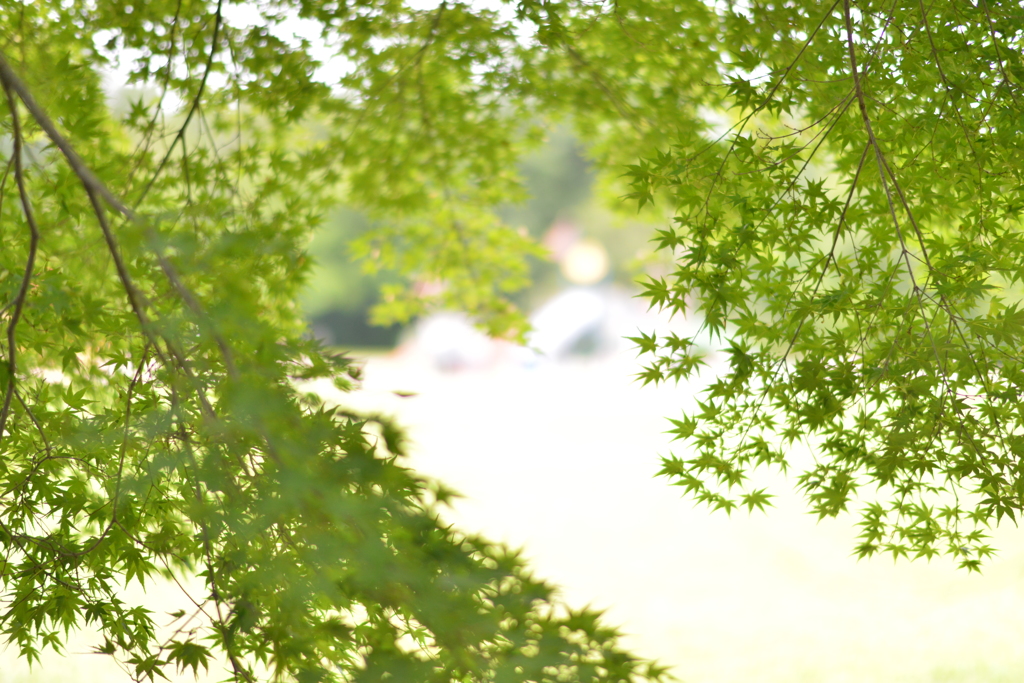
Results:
559 460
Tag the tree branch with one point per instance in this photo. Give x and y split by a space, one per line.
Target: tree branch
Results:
19 300
97 190
218 22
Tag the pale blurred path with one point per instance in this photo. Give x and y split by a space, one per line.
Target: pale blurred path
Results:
559 459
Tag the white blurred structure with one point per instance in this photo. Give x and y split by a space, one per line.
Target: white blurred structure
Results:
579 321
590 322
573 320
451 343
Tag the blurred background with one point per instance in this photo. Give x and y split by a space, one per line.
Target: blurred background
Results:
595 256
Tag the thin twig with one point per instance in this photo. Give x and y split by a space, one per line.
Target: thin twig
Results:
19 300
147 136
218 22
97 190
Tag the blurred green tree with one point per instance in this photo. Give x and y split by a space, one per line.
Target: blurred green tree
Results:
340 294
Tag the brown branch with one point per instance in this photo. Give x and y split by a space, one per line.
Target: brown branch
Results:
97 190
218 22
94 187
829 260
3 190
147 136
885 175
742 123
948 88
135 298
19 300
999 56
137 301
12 81
873 142
39 428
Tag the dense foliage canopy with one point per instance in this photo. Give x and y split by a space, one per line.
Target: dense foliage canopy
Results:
847 184
855 241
